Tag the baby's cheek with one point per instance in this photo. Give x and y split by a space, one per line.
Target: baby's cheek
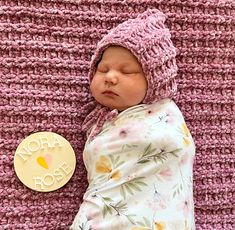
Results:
93 87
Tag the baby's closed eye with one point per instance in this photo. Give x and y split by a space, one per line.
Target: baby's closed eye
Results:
130 71
102 69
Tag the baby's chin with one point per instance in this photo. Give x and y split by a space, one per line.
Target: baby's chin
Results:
110 106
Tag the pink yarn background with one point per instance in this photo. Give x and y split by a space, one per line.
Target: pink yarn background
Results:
45 49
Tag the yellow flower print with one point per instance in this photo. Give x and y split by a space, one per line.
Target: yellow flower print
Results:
115 175
103 165
185 130
160 226
186 225
186 141
186 134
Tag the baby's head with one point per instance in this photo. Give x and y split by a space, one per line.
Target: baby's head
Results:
136 61
119 81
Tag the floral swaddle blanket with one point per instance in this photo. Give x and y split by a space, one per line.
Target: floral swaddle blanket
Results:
140 172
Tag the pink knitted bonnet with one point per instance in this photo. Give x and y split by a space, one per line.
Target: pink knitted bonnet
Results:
149 41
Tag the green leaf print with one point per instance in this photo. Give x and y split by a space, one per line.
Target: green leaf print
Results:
146 223
110 207
175 151
161 156
148 150
129 217
107 199
118 208
140 183
121 206
116 161
143 161
178 188
126 146
130 187
84 226
122 192
185 183
135 187
106 209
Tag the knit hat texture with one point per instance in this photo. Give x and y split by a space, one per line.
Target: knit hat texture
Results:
149 40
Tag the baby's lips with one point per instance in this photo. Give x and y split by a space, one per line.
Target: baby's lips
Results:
109 92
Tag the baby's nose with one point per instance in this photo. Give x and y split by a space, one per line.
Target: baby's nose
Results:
111 77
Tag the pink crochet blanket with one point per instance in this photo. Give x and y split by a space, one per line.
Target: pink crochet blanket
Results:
45 48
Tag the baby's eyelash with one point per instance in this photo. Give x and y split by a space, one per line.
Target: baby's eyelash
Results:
130 72
102 69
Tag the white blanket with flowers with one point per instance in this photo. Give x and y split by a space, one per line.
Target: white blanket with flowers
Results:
140 172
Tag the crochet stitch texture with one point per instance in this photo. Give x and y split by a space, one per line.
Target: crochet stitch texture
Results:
45 49
147 37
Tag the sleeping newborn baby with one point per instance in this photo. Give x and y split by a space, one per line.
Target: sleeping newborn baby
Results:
139 152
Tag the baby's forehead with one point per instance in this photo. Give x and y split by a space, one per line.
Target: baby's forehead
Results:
118 54
117 50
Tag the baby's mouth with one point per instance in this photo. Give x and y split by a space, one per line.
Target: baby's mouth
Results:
109 92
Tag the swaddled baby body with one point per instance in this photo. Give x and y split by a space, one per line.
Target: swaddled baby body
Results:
139 152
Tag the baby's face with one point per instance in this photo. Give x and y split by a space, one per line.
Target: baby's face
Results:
119 81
